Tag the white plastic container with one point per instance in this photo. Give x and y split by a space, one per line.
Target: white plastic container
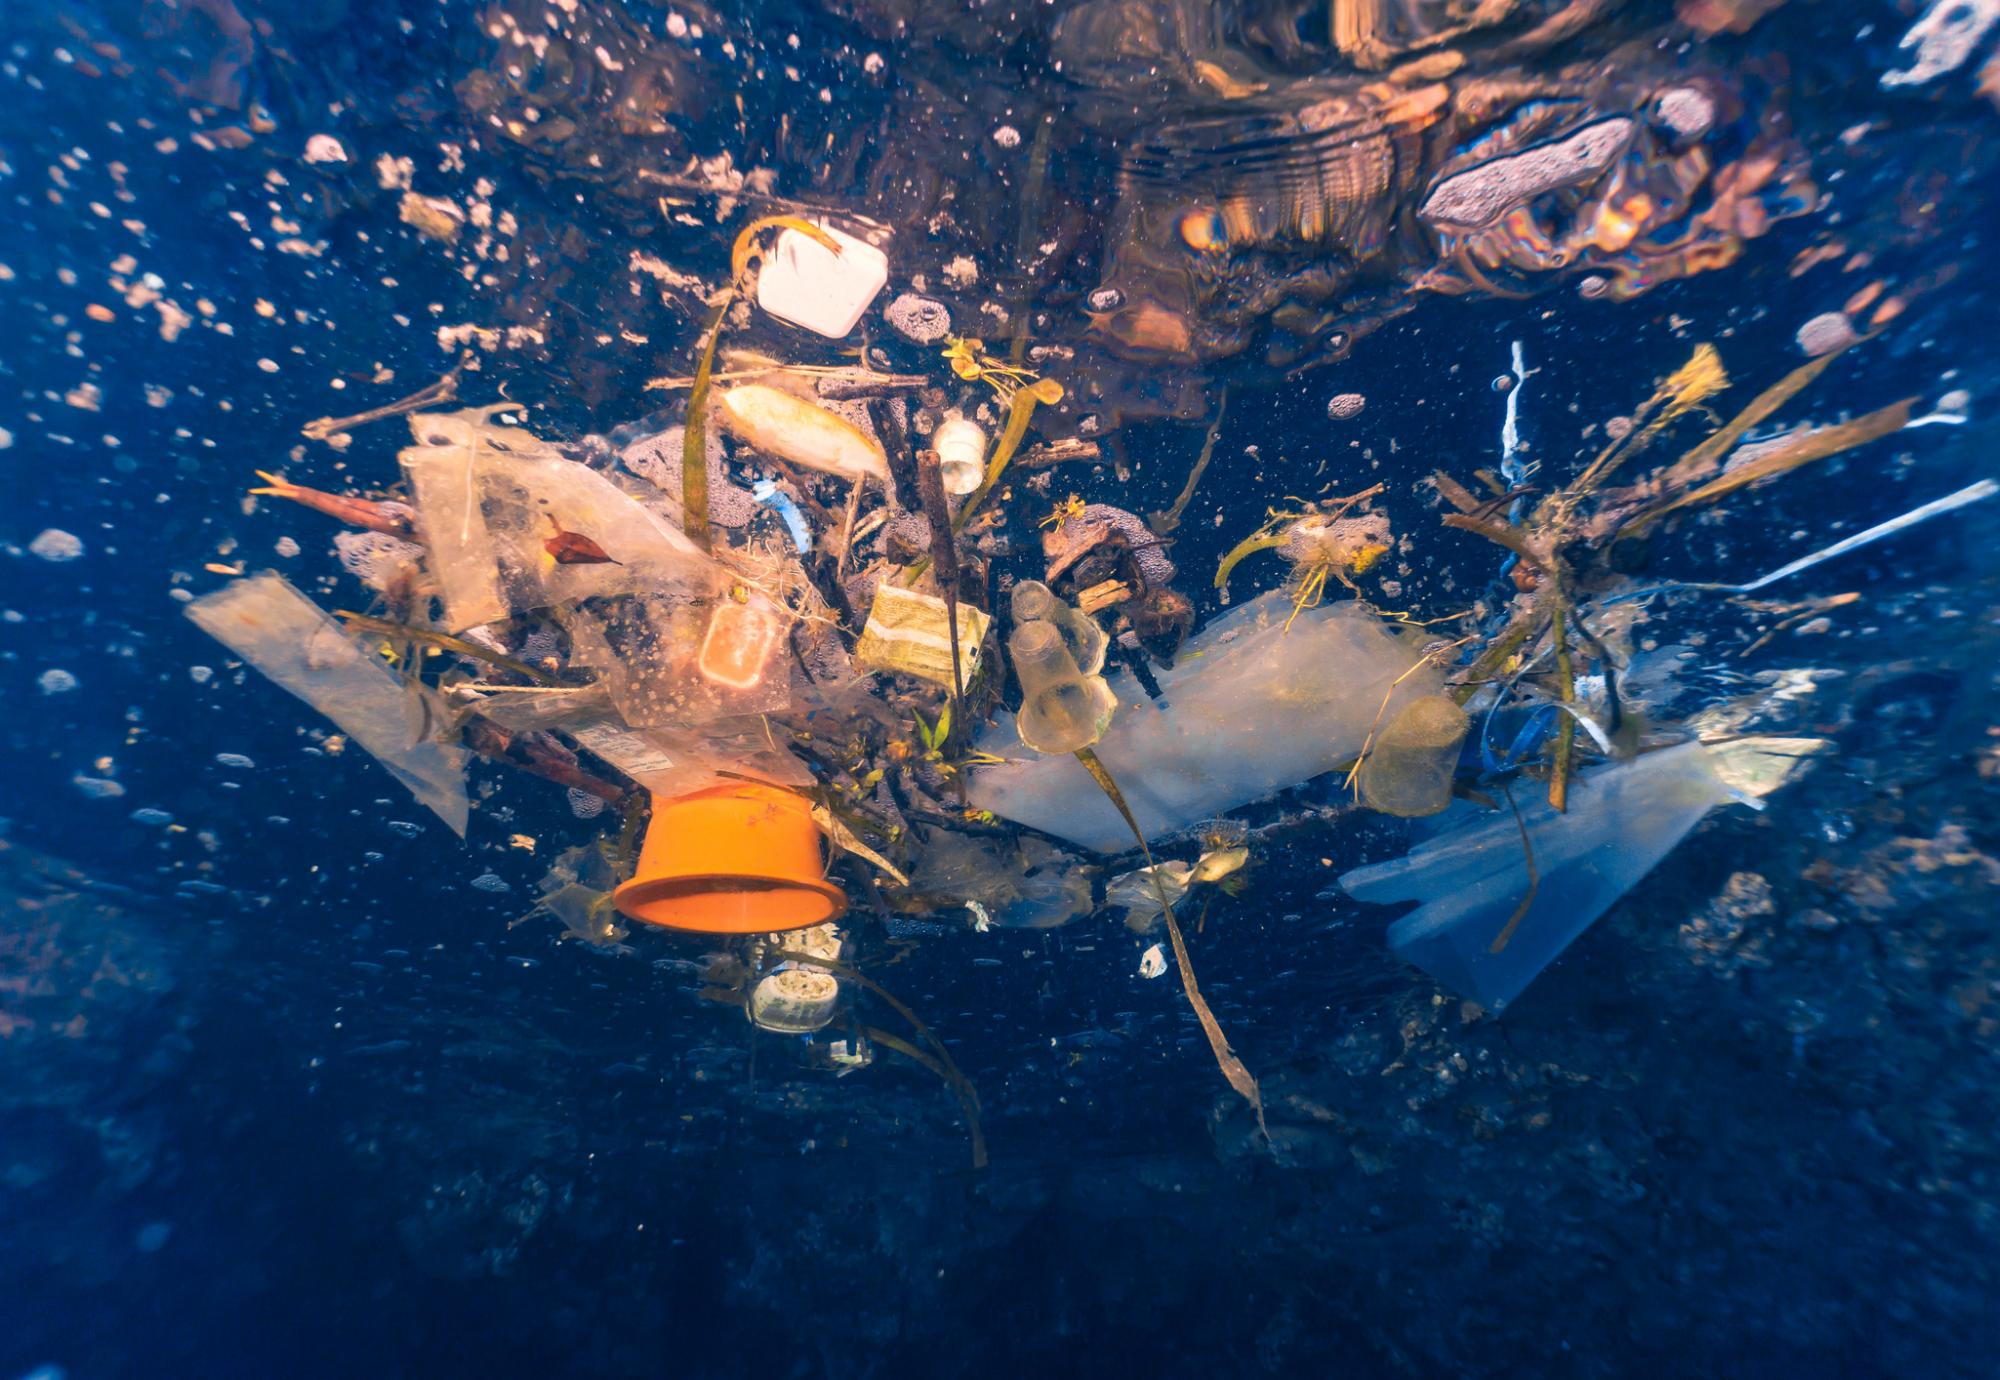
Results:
807 284
798 998
794 1000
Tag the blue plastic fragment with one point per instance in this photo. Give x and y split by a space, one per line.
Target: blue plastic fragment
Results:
765 491
1533 732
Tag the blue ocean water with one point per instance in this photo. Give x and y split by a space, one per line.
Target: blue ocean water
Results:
283 1088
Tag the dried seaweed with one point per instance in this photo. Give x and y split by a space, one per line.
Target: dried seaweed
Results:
1455 493
1686 389
1801 450
944 556
1499 943
1277 526
364 623
1233 1069
1566 732
1700 461
1504 533
694 439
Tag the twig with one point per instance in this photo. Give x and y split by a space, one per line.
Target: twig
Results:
1163 523
1534 879
1059 453
1566 733
694 437
443 391
847 528
837 381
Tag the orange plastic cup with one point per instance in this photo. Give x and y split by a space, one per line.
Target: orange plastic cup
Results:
735 859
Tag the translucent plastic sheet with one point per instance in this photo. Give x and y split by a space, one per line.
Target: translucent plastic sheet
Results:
1621 821
491 501
666 761
1019 883
292 643
528 710
445 486
1247 709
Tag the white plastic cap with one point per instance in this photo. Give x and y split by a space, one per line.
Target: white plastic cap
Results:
961 452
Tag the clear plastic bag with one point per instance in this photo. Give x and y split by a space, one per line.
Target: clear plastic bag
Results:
492 501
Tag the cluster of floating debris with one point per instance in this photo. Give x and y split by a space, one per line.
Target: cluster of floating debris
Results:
775 636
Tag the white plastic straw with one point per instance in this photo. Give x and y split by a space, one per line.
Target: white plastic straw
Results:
1971 493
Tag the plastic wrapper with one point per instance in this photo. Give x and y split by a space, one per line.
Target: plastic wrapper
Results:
1142 895
530 501
1247 709
1023 883
909 632
672 763
1472 880
378 560
527 711
294 644
444 483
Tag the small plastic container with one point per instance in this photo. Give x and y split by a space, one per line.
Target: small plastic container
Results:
741 858
1087 642
909 632
807 284
684 661
742 640
794 1000
1062 709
